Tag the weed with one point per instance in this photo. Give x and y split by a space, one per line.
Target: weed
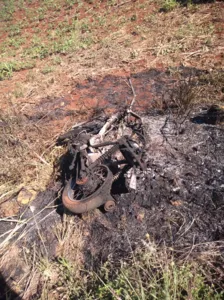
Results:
15 42
47 69
70 3
84 27
210 85
57 60
40 51
41 13
21 4
14 30
153 274
36 40
36 30
101 20
7 10
23 65
6 70
169 5
183 96
133 18
111 2
133 54
18 92
30 76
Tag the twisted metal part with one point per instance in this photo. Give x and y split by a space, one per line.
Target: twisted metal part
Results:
96 199
88 189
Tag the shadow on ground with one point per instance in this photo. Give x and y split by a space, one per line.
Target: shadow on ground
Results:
6 292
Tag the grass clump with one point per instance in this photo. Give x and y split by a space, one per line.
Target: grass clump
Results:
169 5
23 156
7 10
154 274
47 70
151 273
23 65
7 68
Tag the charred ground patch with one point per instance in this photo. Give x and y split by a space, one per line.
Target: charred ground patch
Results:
179 198
178 201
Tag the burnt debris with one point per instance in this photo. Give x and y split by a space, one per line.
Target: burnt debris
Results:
103 152
178 194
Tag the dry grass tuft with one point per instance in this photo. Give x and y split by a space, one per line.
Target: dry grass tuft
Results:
26 158
152 272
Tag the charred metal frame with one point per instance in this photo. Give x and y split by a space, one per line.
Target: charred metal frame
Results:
90 184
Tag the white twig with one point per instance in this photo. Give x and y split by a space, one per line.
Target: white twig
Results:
104 129
188 228
11 220
41 159
123 3
134 95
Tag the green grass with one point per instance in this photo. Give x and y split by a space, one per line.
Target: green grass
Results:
169 5
15 42
152 273
7 10
14 30
68 36
47 70
7 68
76 31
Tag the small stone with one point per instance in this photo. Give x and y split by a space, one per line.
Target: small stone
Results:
140 216
9 209
147 236
176 202
32 208
26 195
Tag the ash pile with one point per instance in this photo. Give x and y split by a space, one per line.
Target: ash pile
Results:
160 176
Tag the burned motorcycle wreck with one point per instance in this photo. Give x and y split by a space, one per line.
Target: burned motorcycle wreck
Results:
103 151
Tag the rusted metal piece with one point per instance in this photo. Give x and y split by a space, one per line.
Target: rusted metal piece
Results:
109 205
96 199
82 181
124 145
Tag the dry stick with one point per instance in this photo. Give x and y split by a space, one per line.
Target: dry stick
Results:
133 101
136 267
32 272
188 228
11 220
134 95
41 158
25 232
12 232
10 193
192 248
39 234
123 3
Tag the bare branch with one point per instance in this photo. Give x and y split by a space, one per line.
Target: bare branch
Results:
134 95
